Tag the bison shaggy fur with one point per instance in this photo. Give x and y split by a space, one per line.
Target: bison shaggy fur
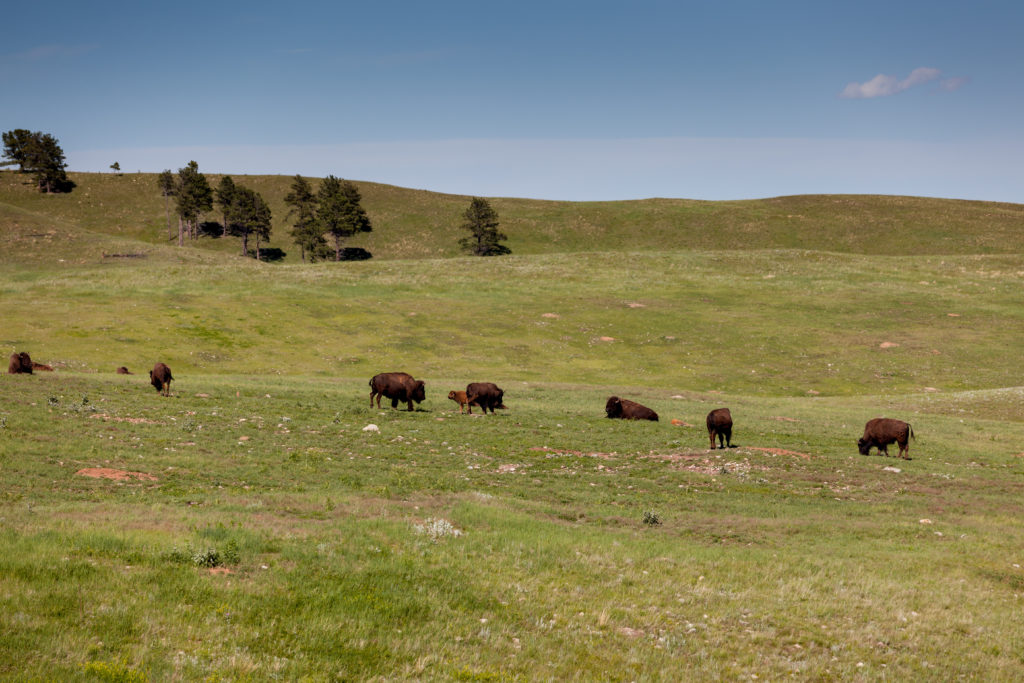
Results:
21 363
160 377
882 431
398 386
42 367
622 408
123 371
485 395
720 427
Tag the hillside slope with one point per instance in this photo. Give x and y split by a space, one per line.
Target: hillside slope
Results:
419 224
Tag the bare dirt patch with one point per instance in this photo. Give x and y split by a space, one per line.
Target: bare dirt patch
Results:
116 475
784 419
780 451
220 571
132 420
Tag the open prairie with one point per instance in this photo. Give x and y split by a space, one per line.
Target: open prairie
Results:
250 527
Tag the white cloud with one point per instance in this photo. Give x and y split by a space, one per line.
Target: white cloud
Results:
951 84
883 85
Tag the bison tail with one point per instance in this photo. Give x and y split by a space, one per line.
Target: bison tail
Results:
912 433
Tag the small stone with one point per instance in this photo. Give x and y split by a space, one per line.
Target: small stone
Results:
371 428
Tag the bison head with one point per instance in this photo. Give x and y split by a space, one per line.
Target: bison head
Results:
614 407
419 393
864 446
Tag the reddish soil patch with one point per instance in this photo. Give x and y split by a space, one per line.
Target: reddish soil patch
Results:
133 420
117 475
220 570
783 419
781 451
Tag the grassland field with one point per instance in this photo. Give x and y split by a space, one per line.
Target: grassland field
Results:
257 532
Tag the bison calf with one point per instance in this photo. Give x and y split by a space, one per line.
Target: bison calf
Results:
460 398
21 363
720 427
625 409
882 431
484 395
160 377
123 371
398 386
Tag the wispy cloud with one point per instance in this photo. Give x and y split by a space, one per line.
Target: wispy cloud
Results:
951 84
44 52
883 85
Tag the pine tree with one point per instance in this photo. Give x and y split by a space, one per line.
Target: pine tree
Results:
306 230
39 154
194 197
224 196
248 214
482 222
340 212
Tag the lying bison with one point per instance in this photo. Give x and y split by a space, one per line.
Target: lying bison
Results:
42 367
484 395
21 363
160 377
123 371
720 427
882 431
460 398
628 410
398 386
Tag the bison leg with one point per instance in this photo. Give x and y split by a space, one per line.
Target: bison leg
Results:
373 393
410 406
394 403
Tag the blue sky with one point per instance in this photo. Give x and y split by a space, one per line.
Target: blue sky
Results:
558 100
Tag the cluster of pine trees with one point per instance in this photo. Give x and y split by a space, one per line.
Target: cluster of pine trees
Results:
323 220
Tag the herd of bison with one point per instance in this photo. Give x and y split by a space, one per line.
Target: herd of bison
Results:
401 387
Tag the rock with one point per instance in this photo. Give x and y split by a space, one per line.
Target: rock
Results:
888 345
371 428
890 468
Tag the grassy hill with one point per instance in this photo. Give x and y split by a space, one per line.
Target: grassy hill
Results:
257 531
418 224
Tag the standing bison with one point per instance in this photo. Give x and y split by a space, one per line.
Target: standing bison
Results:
398 386
460 398
21 363
160 377
484 395
628 410
882 431
720 427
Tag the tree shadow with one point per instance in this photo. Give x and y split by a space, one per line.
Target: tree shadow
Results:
355 254
269 254
211 229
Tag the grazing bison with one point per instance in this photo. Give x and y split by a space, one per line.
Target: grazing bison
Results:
460 398
398 386
628 410
720 426
41 367
123 371
20 363
882 431
484 395
160 377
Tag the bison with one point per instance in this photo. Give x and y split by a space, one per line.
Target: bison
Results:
160 377
460 398
20 363
123 371
720 427
628 410
398 386
484 395
882 431
42 367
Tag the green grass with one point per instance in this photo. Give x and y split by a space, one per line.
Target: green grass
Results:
266 536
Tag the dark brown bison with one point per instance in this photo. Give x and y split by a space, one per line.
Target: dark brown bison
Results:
123 371
41 367
160 377
20 363
460 398
398 386
882 431
484 395
720 427
628 410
